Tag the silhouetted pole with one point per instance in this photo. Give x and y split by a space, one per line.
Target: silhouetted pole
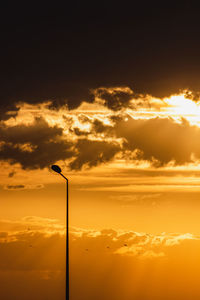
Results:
58 170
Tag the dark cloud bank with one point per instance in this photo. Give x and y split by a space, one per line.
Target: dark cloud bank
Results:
61 53
43 145
156 140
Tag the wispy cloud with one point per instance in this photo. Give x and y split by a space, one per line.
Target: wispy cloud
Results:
34 248
15 187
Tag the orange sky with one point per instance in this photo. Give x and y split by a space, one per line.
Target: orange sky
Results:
134 198
109 91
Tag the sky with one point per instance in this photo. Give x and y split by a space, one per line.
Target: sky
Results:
109 92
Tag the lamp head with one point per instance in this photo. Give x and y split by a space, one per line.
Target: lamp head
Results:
56 168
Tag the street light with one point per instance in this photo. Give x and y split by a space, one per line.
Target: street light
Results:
58 170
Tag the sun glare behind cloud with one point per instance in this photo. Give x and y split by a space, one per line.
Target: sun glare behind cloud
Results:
181 105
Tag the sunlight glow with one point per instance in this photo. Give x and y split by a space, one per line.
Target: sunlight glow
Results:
182 105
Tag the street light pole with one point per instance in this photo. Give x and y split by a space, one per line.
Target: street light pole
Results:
58 170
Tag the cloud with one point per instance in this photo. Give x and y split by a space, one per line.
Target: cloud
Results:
15 187
176 240
92 153
130 243
155 139
7 110
34 146
114 98
136 199
11 174
151 139
88 141
31 224
40 239
38 145
34 256
70 97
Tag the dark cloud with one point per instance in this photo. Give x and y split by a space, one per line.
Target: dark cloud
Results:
80 132
115 98
160 140
14 187
34 146
92 153
97 127
61 54
5 108
193 95
83 118
35 133
11 174
157 140
38 146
